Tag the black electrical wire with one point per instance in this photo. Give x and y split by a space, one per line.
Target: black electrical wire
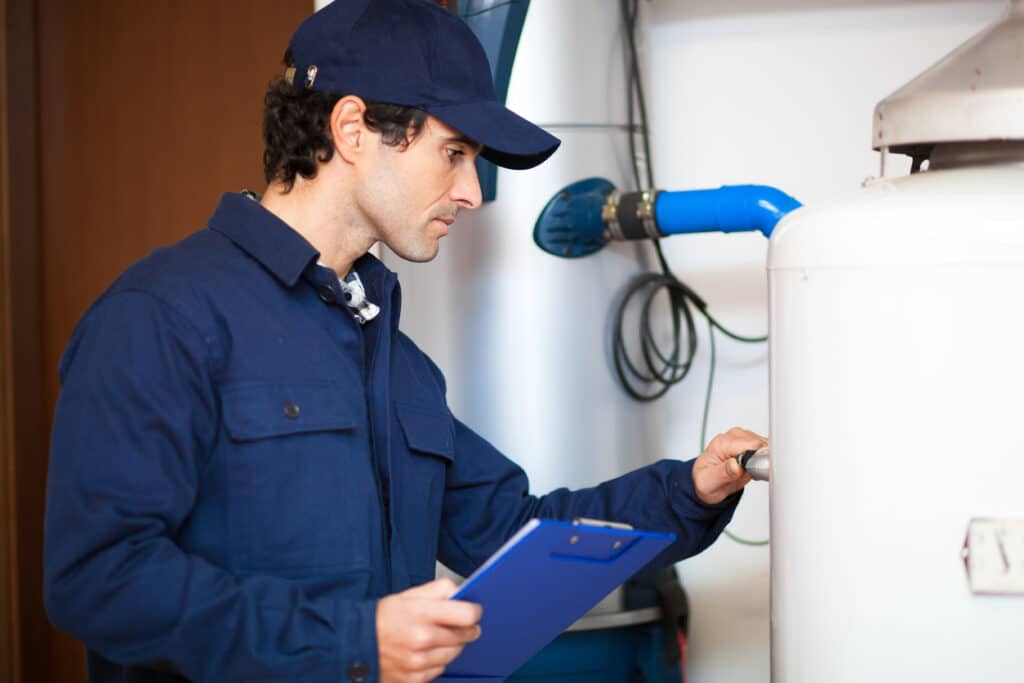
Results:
661 370
634 86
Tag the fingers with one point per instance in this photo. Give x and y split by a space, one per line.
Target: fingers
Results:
716 473
735 441
430 636
730 471
724 478
424 652
433 598
431 603
733 469
438 589
459 636
432 658
447 613
454 613
420 630
424 676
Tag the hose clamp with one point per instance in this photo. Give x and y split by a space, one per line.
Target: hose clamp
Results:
645 212
610 216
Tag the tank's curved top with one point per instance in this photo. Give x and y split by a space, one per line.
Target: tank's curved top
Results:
967 216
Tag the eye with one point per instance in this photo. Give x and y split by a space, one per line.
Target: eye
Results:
453 153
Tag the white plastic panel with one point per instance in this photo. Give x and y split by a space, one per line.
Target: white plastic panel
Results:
994 555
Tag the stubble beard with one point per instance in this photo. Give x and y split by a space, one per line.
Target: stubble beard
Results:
422 249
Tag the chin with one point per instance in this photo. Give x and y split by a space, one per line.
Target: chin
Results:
422 255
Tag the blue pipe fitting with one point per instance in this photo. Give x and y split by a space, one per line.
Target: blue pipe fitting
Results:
584 216
570 225
732 208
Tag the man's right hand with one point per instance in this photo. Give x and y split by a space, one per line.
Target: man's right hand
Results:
419 631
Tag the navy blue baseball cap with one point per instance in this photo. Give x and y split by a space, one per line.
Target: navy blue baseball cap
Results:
415 54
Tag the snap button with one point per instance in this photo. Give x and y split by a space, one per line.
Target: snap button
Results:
291 410
327 295
358 672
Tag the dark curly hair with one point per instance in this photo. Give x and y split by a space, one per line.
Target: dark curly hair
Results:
296 128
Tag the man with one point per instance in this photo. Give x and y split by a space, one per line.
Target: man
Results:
253 471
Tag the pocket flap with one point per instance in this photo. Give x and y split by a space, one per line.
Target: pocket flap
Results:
427 430
259 410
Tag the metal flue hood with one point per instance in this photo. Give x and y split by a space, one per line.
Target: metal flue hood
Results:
975 94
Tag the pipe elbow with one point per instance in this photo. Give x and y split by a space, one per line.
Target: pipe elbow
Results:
772 206
754 207
731 208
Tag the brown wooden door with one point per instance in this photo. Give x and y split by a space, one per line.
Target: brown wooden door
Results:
143 112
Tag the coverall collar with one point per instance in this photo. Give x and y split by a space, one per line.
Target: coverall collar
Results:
264 236
283 251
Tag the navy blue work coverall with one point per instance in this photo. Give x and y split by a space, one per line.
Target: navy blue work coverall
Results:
239 469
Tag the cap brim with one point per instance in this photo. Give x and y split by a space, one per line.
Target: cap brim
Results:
508 139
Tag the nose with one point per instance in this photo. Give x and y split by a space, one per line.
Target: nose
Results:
466 188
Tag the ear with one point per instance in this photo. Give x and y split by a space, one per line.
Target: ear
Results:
348 128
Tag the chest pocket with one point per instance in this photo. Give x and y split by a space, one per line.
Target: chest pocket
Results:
260 410
428 435
427 430
300 486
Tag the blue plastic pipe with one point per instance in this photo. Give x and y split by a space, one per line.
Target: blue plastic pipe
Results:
732 208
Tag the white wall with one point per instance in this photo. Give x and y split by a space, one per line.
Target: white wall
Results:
778 92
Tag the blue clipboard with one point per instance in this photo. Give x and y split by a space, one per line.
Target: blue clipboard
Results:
548 575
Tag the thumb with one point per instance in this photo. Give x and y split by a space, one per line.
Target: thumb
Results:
722 472
715 482
733 469
438 589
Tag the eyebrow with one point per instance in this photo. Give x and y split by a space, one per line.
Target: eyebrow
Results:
469 142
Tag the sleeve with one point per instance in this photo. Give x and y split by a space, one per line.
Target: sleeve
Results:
487 499
135 415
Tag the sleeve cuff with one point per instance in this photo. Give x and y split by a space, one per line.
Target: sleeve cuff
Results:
359 661
688 505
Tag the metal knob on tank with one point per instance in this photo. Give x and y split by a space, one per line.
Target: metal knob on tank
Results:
895 370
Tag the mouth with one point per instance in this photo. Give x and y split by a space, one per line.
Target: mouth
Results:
445 222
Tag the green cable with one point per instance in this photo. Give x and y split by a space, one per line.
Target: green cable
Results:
743 541
704 426
674 371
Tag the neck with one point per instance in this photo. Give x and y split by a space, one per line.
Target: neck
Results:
324 217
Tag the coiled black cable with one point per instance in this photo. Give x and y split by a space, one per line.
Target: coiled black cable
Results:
660 369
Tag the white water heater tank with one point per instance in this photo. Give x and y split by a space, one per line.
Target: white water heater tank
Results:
897 395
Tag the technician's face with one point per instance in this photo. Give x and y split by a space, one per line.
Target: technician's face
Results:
411 195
